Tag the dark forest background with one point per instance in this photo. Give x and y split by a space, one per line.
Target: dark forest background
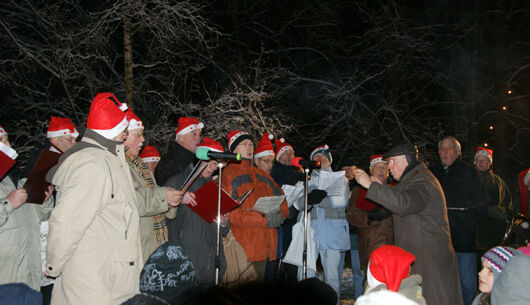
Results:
360 76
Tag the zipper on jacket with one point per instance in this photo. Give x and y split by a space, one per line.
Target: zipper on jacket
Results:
127 222
111 180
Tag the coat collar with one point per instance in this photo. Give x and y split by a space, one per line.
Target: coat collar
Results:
95 138
419 166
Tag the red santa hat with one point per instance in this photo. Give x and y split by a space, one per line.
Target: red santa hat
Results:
375 159
61 127
389 265
150 154
281 147
106 116
235 137
211 144
134 120
264 147
484 152
187 125
2 131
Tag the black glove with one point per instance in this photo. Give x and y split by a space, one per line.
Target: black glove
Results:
275 219
315 196
378 214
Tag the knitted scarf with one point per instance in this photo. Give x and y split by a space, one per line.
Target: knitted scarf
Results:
159 220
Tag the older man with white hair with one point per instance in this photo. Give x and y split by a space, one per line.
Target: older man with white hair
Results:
466 205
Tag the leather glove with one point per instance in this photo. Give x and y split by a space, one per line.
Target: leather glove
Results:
275 219
378 214
315 196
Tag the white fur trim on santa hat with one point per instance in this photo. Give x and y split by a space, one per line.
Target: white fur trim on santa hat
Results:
282 150
123 107
384 297
483 153
189 129
113 132
234 137
60 133
151 159
8 151
376 160
134 124
264 153
372 281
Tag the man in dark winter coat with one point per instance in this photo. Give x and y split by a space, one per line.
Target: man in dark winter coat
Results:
420 222
197 237
466 205
182 152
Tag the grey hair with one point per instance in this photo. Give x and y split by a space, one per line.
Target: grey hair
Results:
455 143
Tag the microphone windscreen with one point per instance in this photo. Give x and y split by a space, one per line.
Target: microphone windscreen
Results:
296 161
238 157
202 153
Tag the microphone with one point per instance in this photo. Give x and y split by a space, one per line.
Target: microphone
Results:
299 162
204 153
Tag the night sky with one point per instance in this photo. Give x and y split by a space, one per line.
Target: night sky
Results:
361 76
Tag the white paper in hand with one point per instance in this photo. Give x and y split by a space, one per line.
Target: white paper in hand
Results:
332 183
293 192
268 204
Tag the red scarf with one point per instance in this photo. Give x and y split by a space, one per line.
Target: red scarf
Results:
363 203
524 192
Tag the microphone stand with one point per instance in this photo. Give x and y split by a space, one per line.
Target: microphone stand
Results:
218 250
304 255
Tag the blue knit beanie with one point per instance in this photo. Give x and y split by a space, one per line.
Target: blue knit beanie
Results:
322 150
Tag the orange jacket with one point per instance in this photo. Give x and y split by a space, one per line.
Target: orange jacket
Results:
250 227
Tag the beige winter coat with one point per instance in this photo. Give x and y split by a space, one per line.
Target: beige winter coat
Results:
94 239
20 260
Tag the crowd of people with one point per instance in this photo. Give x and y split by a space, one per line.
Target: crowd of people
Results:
119 223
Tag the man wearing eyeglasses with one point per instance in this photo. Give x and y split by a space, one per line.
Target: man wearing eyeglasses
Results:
420 222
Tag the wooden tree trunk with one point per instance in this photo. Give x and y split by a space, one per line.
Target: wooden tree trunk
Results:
128 62
501 128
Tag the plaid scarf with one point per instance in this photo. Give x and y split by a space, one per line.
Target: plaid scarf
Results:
159 220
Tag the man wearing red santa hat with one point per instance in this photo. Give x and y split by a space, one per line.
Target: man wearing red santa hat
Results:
264 153
150 156
181 153
491 228
94 246
19 225
373 222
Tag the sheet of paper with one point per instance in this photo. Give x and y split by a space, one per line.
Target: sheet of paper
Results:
332 182
293 192
268 204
